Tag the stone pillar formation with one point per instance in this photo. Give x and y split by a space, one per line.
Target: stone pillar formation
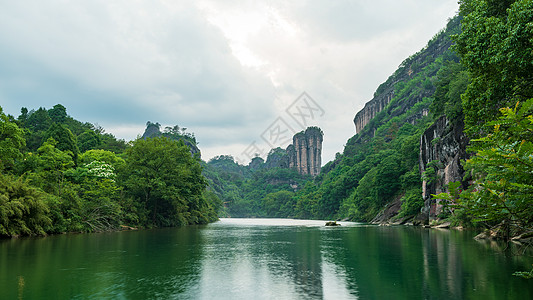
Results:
305 153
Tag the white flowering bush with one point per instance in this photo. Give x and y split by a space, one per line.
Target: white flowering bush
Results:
100 170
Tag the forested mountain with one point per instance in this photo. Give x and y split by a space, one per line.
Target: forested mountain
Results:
456 118
62 175
379 165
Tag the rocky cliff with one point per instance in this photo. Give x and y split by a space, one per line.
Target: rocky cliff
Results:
305 153
372 108
442 148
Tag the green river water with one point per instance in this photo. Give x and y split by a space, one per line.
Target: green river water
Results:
264 259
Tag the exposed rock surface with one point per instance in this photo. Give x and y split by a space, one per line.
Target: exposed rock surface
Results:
388 212
305 153
153 130
443 145
332 223
372 108
277 158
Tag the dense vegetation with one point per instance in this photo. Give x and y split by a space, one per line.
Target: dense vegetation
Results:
496 49
262 189
61 175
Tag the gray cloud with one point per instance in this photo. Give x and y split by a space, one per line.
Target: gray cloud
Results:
121 63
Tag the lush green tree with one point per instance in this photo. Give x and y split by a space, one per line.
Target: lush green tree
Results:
412 200
502 170
58 114
66 141
88 140
452 81
23 115
386 180
100 201
279 204
23 210
495 47
101 156
167 181
177 133
49 165
11 142
111 143
307 201
38 120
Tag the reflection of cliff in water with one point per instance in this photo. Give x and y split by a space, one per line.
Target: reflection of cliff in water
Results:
418 263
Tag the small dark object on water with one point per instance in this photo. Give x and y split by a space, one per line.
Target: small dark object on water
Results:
332 223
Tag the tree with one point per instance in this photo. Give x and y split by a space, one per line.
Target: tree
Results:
11 142
49 165
58 114
452 81
88 140
495 46
163 177
22 208
66 141
38 120
502 170
101 156
279 204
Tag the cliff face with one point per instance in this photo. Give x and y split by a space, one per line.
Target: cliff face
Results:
442 147
372 108
305 153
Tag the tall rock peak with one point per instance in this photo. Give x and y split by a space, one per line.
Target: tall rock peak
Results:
305 153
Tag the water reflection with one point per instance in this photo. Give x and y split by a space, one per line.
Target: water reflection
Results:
286 260
264 259
126 265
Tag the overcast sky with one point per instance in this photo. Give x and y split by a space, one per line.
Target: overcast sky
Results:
232 72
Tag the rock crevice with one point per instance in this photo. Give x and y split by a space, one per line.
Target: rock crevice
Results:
442 147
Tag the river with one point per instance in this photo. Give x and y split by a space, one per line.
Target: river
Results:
264 259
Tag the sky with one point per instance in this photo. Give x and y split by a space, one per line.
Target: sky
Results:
243 76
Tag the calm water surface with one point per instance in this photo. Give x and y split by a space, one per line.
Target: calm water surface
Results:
263 259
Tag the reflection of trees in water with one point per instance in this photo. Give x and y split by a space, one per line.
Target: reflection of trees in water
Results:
299 257
130 265
417 263
305 259
162 263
